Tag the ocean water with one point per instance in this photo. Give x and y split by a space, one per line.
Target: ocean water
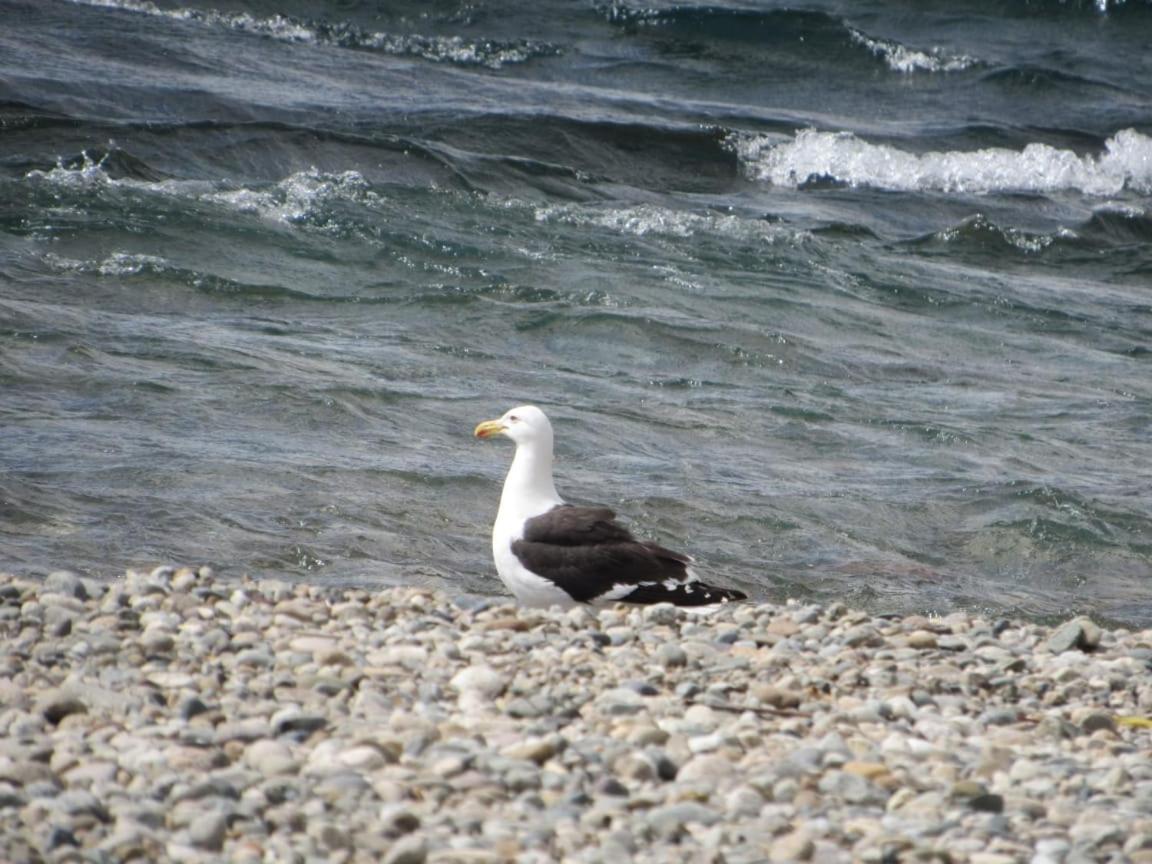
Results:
850 300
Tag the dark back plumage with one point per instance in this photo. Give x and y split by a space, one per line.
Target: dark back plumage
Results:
588 554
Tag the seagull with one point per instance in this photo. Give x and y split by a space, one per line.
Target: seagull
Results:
549 553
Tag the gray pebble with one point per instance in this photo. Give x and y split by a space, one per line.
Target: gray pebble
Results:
670 822
66 582
209 830
671 655
412 849
1082 633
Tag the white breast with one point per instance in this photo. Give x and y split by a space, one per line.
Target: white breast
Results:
528 588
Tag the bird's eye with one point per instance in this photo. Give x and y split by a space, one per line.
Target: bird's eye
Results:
513 419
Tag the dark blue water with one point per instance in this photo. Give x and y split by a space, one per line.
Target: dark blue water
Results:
850 300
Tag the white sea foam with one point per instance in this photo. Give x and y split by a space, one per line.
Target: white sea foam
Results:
300 197
450 49
91 174
901 58
1125 164
115 264
645 219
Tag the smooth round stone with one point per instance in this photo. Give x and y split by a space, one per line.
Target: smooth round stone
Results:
172 680
670 822
709 768
208 831
1082 633
296 722
397 819
313 644
620 702
743 802
671 656
479 682
794 846
412 849
776 697
77 802
67 583
364 757
270 758
661 614
922 640
862 635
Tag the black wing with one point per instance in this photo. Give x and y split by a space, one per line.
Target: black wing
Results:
587 553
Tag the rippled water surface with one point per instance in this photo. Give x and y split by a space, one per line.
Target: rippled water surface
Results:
850 300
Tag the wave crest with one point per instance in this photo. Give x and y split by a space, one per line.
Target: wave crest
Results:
901 58
1125 164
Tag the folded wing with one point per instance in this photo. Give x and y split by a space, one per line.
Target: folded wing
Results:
592 557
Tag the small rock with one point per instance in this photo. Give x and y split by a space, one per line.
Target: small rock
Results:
156 641
989 802
1082 633
79 802
1096 721
209 830
538 750
55 705
794 846
192 706
412 849
66 582
620 701
783 626
867 770
670 655
952 643
270 758
662 613
850 788
777 697
299 724
480 683
706 768
862 635
396 820
365 757
922 640
669 822
992 858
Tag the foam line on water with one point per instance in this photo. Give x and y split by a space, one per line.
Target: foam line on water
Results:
297 198
649 219
906 60
442 49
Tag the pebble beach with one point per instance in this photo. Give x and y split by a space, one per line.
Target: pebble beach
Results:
173 715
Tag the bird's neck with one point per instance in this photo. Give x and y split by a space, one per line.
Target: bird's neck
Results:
528 488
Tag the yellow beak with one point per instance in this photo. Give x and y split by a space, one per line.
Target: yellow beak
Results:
489 428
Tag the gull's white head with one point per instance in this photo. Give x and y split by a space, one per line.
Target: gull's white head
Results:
526 424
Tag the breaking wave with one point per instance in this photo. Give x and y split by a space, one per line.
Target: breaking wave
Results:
842 157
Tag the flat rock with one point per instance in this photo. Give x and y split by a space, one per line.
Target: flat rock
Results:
1082 633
